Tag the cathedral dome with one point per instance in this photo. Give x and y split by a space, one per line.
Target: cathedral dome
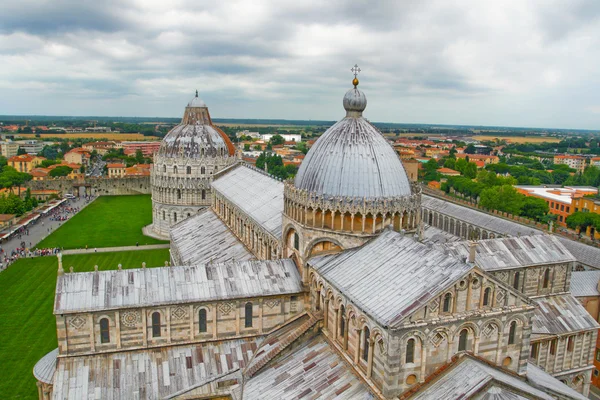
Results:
353 159
196 136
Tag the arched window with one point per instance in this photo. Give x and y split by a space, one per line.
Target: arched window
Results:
486 296
164 168
447 302
156 324
175 169
462 340
174 217
104 331
202 170
179 194
511 332
202 320
546 278
296 241
516 280
410 351
342 312
365 352
188 170
203 194
248 315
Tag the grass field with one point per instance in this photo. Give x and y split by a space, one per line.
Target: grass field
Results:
95 135
28 327
109 221
520 139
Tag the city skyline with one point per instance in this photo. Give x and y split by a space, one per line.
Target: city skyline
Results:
529 64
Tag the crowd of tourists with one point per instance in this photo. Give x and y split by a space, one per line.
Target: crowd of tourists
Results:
25 248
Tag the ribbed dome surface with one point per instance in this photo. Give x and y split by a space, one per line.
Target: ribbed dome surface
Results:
196 136
194 141
353 159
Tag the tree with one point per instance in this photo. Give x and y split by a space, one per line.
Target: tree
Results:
277 140
257 147
47 163
21 151
62 170
503 198
450 163
534 208
470 149
82 169
246 146
139 156
452 153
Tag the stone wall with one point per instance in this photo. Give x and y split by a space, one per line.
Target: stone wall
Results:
80 333
95 186
530 280
379 353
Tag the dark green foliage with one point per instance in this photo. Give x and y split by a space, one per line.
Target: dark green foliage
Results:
62 170
275 166
277 140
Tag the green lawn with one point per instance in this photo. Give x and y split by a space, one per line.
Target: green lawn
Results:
27 325
109 221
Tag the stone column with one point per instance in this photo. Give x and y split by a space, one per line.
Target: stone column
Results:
326 315
359 336
370 358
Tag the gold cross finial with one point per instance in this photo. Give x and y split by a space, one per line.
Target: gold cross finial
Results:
355 70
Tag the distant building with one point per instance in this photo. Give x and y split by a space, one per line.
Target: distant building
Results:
25 162
595 161
287 137
9 149
138 170
100 147
558 199
7 220
575 162
148 148
78 155
116 170
254 135
31 146
448 172
487 159
98 129
412 169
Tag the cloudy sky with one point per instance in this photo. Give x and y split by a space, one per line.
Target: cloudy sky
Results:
510 62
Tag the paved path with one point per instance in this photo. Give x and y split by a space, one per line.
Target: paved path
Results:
112 249
40 229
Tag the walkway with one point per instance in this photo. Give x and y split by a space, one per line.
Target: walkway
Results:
113 249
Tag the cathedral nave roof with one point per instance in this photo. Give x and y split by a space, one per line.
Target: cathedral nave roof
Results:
560 314
585 254
150 374
256 194
469 377
313 370
514 252
105 290
204 237
390 276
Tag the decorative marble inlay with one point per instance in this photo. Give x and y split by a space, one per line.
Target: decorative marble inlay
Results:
179 313
131 318
490 330
437 339
503 276
500 295
272 303
476 283
226 308
77 322
434 305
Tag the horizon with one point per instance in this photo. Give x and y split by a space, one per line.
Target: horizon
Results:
510 64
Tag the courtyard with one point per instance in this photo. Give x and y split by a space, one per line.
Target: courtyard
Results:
27 325
109 221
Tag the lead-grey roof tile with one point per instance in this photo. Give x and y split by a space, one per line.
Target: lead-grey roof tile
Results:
406 273
585 283
203 238
514 252
560 314
259 196
104 290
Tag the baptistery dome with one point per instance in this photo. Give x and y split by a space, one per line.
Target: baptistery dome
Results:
196 136
353 159
189 156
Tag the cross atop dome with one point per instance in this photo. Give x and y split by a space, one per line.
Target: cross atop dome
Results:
355 70
196 92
